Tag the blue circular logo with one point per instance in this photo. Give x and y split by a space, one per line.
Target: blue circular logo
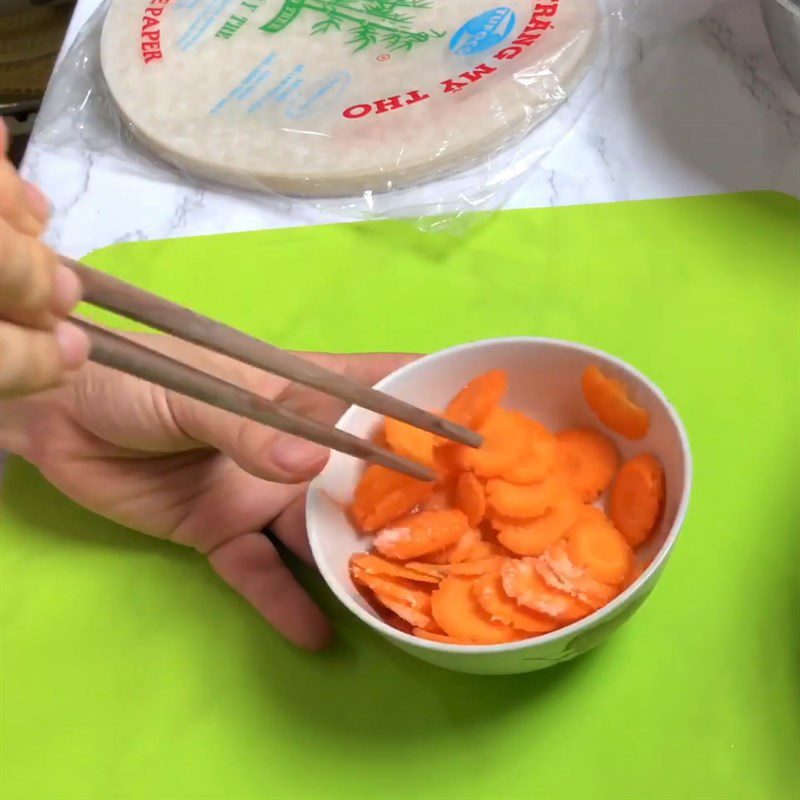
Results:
484 31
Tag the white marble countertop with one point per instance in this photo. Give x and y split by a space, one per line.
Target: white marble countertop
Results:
695 102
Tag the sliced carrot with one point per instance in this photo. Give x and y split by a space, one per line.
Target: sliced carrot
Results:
471 498
446 461
537 458
410 442
559 572
589 461
375 565
421 534
531 537
466 568
595 545
637 498
472 406
503 443
609 400
382 496
442 638
523 583
525 502
406 592
456 610
413 616
501 608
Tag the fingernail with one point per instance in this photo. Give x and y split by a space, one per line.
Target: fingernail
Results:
297 456
67 290
73 345
38 204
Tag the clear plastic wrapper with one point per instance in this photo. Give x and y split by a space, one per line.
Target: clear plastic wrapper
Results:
366 108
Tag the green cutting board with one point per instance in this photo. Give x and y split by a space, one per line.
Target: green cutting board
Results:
130 671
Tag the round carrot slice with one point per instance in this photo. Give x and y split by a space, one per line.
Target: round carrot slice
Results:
472 406
458 614
559 572
588 460
637 498
610 402
531 537
501 608
537 458
442 638
413 616
466 568
382 496
523 583
595 545
471 498
421 534
410 442
375 565
503 444
403 591
524 502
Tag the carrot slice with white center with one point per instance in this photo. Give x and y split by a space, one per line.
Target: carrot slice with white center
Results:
421 534
523 583
501 608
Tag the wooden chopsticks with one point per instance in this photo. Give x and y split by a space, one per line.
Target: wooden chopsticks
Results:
117 352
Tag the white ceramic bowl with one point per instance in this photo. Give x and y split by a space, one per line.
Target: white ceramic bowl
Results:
545 383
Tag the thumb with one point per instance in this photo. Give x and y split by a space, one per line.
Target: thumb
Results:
256 448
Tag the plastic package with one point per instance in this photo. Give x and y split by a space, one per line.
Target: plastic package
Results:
367 108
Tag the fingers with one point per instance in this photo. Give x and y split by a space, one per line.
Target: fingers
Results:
366 368
34 288
21 205
32 360
251 565
290 528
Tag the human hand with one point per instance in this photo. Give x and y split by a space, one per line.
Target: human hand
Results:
37 347
177 469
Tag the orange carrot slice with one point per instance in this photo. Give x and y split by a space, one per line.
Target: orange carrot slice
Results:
446 461
524 502
413 616
421 534
471 498
398 589
610 402
442 638
375 565
559 572
410 442
537 458
503 443
382 496
589 461
466 568
458 614
637 498
531 537
523 583
472 406
501 608
595 545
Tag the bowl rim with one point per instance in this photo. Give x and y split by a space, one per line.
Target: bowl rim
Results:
587 622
